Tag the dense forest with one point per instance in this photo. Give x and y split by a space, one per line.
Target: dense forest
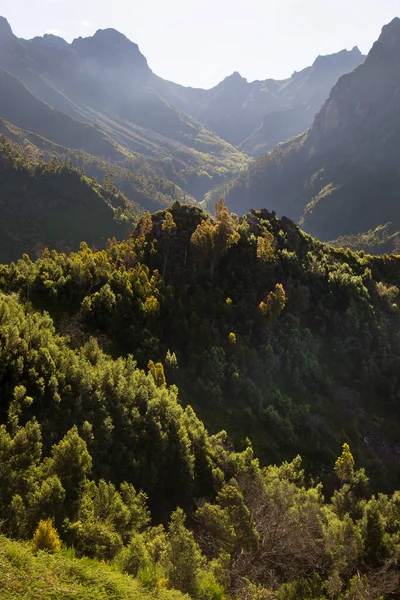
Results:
53 203
287 344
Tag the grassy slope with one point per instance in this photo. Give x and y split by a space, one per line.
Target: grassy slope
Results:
24 574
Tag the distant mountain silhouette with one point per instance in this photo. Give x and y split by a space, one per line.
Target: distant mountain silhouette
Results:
260 114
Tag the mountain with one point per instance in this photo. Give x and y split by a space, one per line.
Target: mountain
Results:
140 181
381 240
157 389
258 115
100 85
20 107
100 96
53 205
342 177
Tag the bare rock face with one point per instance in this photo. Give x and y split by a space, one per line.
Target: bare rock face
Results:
110 48
330 119
5 30
388 44
364 103
342 177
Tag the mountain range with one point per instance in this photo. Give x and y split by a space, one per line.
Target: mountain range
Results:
255 116
342 176
97 103
99 95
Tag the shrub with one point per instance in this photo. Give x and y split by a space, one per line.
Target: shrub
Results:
46 537
209 588
134 557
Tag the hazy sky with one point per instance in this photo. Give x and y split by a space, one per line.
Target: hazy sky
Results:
199 42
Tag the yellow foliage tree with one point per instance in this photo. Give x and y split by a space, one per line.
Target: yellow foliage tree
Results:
274 303
265 248
157 372
46 537
344 466
213 239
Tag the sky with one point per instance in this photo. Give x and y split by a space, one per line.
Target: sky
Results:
199 42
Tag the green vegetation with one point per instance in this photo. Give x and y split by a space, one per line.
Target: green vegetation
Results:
54 204
264 331
24 110
209 408
142 181
30 575
381 240
301 362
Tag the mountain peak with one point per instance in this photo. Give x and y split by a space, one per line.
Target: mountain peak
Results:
387 48
110 47
339 58
5 29
55 40
234 79
236 76
112 35
390 35
107 37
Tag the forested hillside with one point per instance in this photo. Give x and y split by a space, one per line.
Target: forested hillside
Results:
328 344
141 182
53 204
262 330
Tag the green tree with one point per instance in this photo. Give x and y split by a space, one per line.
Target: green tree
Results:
265 247
183 556
71 462
168 229
344 466
376 540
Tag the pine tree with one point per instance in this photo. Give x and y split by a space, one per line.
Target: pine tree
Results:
183 556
